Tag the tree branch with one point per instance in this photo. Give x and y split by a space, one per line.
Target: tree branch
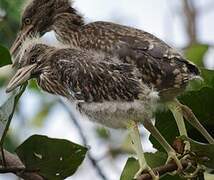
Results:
170 167
14 165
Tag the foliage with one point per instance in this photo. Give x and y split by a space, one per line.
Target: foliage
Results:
10 23
132 166
55 159
5 56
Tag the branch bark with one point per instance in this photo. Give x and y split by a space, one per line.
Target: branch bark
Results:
170 167
14 165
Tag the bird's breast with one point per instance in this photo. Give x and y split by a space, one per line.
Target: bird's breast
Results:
116 114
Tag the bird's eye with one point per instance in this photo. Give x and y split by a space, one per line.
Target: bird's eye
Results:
33 60
27 21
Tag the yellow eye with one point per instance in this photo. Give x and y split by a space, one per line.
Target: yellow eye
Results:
27 21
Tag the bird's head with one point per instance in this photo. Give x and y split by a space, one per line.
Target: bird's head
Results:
38 17
32 63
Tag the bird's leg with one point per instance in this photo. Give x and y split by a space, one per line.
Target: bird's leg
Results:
177 112
157 135
192 119
137 146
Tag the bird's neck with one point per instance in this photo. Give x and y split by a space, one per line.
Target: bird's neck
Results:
67 26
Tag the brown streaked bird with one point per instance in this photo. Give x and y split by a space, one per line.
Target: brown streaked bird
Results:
160 67
109 91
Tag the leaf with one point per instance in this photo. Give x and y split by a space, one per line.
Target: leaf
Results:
132 166
208 76
202 151
5 57
201 102
55 159
130 169
166 124
7 111
196 53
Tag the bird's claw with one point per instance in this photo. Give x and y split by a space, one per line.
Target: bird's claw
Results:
195 173
173 156
187 147
148 170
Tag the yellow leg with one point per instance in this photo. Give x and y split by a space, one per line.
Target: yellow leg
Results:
137 146
192 119
156 134
177 112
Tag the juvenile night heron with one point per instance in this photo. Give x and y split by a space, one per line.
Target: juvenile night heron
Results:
159 66
103 87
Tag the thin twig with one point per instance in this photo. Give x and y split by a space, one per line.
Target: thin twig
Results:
3 157
80 131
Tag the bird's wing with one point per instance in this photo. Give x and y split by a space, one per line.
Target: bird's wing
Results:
100 81
161 66
119 36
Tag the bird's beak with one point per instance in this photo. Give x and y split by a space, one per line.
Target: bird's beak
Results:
19 39
21 76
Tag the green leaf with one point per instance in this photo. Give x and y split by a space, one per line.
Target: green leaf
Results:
55 159
196 53
208 77
204 152
7 111
132 166
130 169
166 124
5 57
201 102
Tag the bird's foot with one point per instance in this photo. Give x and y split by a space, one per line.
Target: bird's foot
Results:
146 169
193 174
173 156
187 147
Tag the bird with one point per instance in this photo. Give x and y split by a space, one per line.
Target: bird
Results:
104 88
159 66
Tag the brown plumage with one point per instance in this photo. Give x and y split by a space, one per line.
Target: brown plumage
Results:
122 84
160 66
85 77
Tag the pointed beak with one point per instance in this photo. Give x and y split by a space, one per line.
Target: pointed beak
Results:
21 76
19 39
